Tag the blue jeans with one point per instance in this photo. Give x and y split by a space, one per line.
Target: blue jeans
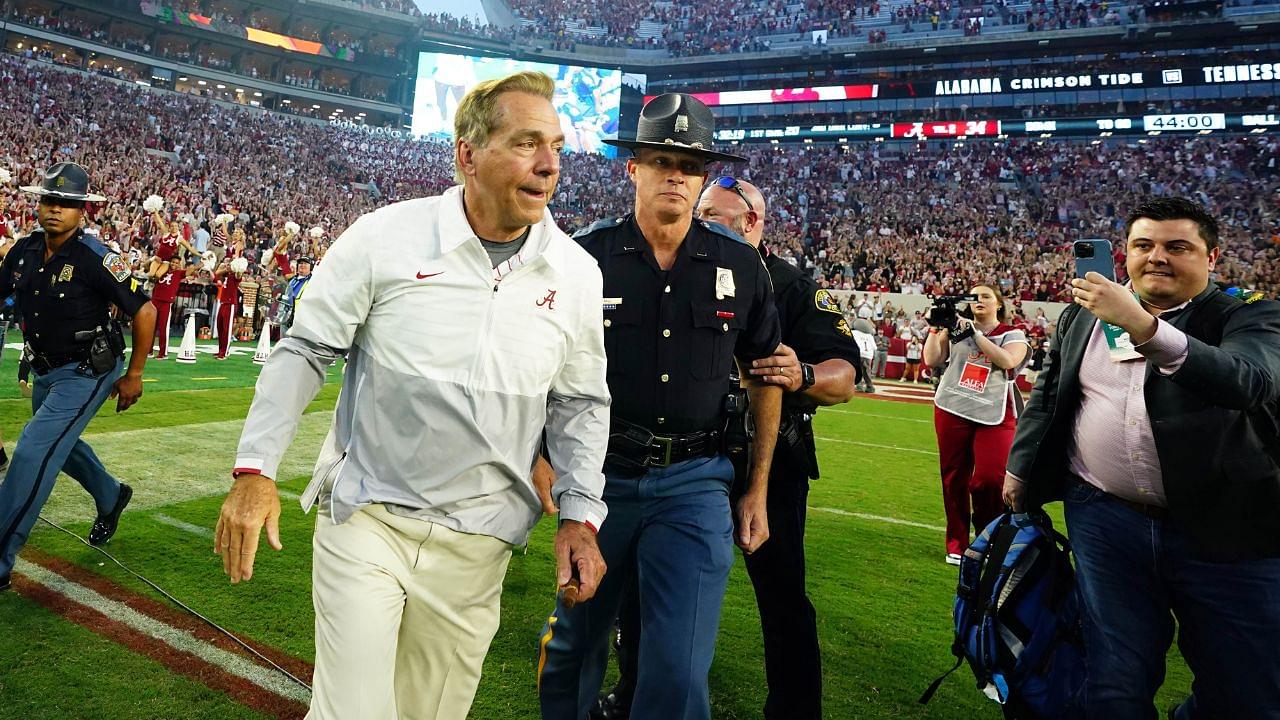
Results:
63 401
671 527
1136 575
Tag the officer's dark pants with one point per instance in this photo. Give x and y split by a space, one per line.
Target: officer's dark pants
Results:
63 401
793 664
671 528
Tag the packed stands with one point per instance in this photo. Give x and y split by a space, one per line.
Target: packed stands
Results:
891 216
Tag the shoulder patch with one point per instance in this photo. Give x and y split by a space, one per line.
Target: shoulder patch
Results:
719 229
843 328
823 300
1253 296
116 265
599 225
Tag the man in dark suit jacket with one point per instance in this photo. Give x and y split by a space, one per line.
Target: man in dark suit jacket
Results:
1162 446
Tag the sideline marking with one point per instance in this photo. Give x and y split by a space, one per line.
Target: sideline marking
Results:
880 518
874 415
215 377
179 640
881 447
183 525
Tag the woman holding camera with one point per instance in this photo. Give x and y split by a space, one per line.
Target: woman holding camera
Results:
975 407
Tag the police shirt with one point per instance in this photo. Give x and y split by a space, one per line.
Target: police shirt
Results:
70 292
671 336
812 324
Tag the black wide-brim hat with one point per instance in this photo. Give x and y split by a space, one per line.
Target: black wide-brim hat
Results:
677 121
65 180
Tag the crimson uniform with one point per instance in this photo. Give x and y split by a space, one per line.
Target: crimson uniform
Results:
166 247
228 301
282 262
165 292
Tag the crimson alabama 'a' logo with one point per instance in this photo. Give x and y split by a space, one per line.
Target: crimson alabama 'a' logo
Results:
549 302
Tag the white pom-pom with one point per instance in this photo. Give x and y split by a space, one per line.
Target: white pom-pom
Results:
207 260
317 232
239 265
292 228
5 177
224 218
153 203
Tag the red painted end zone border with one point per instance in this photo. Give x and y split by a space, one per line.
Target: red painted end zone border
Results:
239 689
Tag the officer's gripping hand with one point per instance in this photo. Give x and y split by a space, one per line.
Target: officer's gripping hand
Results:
578 558
544 476
752 522
781 368
1014 494
126 390
252 503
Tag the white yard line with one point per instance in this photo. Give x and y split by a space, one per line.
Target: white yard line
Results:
180 640
880 518
874 415
183 525
878 446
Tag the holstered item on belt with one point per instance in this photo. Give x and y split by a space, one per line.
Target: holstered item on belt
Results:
106 346
795 441
636 448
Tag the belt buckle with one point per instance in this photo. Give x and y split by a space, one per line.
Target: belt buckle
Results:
663 442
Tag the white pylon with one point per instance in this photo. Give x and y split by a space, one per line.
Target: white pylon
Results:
264 345
187 351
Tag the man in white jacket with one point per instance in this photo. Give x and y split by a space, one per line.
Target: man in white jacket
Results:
470 322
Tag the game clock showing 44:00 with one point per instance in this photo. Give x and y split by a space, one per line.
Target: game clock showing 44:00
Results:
1184 121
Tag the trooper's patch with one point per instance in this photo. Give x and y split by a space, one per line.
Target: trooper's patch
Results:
824 301
843 327
116 265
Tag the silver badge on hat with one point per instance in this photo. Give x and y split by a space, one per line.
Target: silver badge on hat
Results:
682 123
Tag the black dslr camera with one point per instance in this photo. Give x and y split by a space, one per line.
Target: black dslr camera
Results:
945 316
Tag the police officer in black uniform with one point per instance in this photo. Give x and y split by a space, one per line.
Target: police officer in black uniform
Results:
65 283
816 364
682 300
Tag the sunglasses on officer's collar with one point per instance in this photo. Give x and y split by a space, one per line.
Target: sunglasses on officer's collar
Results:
729 183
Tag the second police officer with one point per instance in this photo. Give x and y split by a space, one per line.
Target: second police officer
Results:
66 282
683 298
816 364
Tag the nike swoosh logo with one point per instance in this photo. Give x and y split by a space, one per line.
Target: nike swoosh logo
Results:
428 275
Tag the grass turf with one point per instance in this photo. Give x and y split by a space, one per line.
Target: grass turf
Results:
882 592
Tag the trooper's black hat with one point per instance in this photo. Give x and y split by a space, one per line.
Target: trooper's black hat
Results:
65 180
677 121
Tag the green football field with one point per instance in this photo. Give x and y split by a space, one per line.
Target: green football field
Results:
875 548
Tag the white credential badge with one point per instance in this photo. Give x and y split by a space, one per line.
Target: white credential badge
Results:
724 283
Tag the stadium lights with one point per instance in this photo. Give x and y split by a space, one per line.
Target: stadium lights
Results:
1105 133
1096 142
1206 131
931 50
1163 34
844 141
257 93
221 86
201 82
1046 135
1153 132
1255 131
287 101
19 46
239 90
1043 42
338 110
1248 28
183 78
315 107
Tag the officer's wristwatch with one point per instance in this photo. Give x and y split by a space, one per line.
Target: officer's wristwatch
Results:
807 378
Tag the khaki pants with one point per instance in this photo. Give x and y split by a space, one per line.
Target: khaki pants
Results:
405 612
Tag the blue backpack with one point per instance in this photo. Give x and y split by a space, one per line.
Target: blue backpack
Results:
1018 619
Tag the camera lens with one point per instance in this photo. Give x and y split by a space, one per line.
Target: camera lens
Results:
1084 250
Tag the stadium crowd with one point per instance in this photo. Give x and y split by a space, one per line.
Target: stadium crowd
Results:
932 218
